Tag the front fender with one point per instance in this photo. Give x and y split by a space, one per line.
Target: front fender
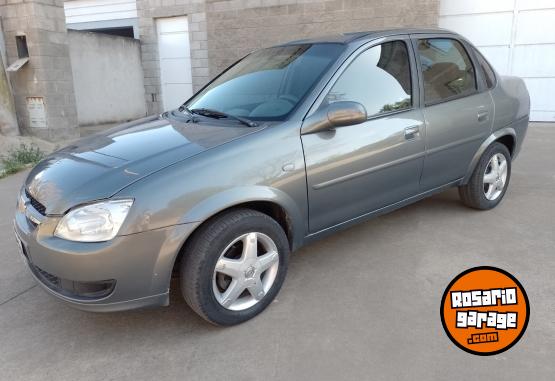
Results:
241 195
507 131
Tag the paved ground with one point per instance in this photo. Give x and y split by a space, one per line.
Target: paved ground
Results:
362 304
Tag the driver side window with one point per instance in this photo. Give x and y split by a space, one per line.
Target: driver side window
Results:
379 78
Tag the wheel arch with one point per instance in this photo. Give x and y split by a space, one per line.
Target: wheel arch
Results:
509 141
270 201
505 136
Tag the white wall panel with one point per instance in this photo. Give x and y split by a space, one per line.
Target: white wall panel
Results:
517 37
460 7
541 93
481 29
78 11
534 60
536 27
545 116
498 56
535 4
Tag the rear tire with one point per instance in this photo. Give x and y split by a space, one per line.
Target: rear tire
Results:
241 249
490 179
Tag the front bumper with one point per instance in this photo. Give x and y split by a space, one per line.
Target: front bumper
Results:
127 272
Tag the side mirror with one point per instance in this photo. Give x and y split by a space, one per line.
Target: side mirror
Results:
337 114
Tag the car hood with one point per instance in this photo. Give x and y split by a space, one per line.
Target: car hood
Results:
99 166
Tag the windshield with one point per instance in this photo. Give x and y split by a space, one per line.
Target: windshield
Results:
268 84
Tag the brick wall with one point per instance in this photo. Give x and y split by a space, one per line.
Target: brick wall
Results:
48 72
223 31
236 27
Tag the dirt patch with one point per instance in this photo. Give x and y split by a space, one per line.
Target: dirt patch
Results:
8 143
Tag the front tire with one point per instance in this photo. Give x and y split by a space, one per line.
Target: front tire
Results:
234 266
490 179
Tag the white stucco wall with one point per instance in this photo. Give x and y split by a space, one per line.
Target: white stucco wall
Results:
107 76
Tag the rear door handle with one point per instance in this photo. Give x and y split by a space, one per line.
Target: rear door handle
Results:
483 116
412 132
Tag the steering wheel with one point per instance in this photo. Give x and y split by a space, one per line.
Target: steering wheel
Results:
289 98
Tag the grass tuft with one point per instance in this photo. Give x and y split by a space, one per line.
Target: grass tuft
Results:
20 158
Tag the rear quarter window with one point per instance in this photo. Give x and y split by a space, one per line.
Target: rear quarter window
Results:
487 70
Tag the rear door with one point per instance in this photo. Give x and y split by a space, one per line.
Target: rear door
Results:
458 111
357 169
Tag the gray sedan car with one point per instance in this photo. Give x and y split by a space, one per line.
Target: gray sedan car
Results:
289 144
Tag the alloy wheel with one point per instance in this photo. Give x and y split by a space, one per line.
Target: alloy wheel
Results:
245 271
495 176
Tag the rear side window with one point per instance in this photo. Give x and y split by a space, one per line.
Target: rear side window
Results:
379 78
489 74
446 69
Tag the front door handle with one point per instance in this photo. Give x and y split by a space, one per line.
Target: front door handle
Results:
482 116
412 132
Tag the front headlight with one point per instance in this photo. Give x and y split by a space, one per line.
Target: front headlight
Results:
94 222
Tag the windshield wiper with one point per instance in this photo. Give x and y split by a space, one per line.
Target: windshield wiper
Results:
185 109
220 114
182 113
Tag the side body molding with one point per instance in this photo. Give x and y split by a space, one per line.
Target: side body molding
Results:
493 137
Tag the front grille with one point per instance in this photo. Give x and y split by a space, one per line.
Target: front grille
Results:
36 204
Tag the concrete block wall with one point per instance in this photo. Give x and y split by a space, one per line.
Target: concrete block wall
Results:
8 119
48 72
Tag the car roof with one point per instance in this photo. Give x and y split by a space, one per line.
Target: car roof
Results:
346 38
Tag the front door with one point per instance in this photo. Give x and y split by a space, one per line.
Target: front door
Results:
175 61
458 113
357 169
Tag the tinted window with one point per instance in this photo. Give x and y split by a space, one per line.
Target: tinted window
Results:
489 75
446 69
269 83
379 78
